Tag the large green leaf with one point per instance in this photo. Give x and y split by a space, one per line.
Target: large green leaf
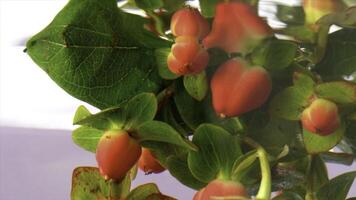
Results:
87 137
128 116
289 103
340 59
276 134
217 153
317 174
275 54
194 112
98 53
88 184
316 144
162 132
197 85
337 188
340 92
178 167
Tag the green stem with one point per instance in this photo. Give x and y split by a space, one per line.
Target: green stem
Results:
157 22
264 193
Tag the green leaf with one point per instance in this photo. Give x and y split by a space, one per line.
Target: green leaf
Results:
81 113
304 82
242 164
161 58
339 60
87 138
217 153
149 4
286 195
350 139
346 18
91 50
302 33
139 109
173 5
275 134
169 114
193 112
290 103
275 54
340 92
338 158
162 132
178 167
143 191
110 118
197 85
293 15
208 7
316 144
88 184
317 174
337 188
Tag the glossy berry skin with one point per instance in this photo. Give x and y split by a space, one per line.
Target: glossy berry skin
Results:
236 27
187 56
148 163
321 117
199 194
221 188
116 154
237 89
189 22
315 9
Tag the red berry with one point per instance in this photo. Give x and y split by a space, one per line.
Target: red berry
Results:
148 163
221 188
235 27
116 154
187 56
189 22
237 89
321 117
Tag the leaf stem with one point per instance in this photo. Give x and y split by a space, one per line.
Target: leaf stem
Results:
164 95
264 192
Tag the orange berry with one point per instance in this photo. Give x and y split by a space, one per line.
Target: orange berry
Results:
148 163
321 117
237 89
116 154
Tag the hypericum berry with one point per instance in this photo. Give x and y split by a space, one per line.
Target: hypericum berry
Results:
187 56
321 117
116 154
315 9
237 89
189 22
222 188
148 163
199 194
236 27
